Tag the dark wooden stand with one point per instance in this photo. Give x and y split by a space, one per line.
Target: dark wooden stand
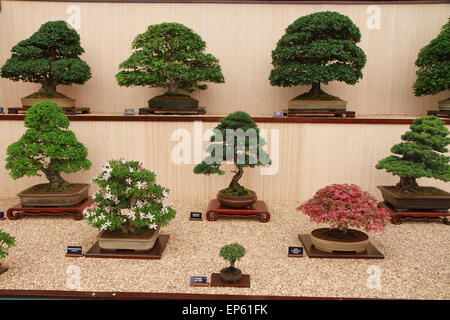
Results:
217 282
259 209
155 253
319 112
439 113
397 217
3 269
76 210
370 253
67 110
168 110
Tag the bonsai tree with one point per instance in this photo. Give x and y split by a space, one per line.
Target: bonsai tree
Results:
231 253
47 146
169 55
343 206
433 75
129 200
420 155
318 48
49 57
236 139
6 242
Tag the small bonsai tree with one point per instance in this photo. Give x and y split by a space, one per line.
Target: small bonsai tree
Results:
421 154
232 253
318 48
129 200
47 146
169 55
433 75
343 206
6 242
236 139
49 57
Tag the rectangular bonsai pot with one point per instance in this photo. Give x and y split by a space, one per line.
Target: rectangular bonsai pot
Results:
108 240
431 199
36 196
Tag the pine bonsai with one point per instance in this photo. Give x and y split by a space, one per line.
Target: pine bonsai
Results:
49 57
421 154
232 253
433 75
236 139
6 242
47 146
169 55
318 48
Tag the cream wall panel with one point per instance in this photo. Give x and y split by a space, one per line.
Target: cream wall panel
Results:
311 156
242 36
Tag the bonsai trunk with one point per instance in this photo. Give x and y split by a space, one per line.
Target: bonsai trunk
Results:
232 267
234 184
315 90
48 87
56 182
407 184
172 88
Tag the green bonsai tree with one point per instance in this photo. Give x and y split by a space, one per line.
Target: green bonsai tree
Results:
49 57
47 146
421 154
169 55
6 242
232 253
318 48
433 75
236 139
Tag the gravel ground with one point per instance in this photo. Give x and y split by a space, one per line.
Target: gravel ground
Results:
416 264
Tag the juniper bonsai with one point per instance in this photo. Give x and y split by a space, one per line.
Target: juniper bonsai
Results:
47 146
49 57
433 75
169 55
421 154
318 48
237 138
232 253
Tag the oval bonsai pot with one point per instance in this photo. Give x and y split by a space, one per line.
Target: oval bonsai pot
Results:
429 198
228 276
298 104
38 196
109 240
173 101
325 240
444 105
236 201
60 99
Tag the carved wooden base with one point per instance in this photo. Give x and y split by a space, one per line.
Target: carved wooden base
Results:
440 113
76 210
259 209
3 269
217 282
319 112
155 253
370 253
181 111
397 217
67 110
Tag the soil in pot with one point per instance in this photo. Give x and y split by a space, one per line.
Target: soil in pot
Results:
330 240
43 195
229 199
230 275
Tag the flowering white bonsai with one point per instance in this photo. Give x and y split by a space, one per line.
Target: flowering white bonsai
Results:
129 200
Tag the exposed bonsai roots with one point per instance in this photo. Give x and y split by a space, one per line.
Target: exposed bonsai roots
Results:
56 182
234 184
407 185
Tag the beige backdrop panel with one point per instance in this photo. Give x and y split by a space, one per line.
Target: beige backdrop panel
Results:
309 156
242 36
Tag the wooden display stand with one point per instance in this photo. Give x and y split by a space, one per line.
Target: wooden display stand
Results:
439 113
155 253
259 209
319 112
397 217
76 210
67 110
370 253
168 110
217 282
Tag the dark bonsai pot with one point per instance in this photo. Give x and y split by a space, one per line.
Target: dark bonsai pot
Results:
39 196
173 101
330 240
234 201
230 275
428 198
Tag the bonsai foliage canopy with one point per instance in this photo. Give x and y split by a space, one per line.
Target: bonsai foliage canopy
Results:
433 61
47 146
318 48
170 55
237 138
420 155
6 242
49 57
232 253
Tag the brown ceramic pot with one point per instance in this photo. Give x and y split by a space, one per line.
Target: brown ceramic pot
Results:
236 201
230 277
116 241
325 242
60 99
39 197
176 102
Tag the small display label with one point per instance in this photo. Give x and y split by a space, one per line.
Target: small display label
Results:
295 251
196 215
199 280
76 250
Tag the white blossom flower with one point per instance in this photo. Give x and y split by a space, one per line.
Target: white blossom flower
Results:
153 226
151 217
128 181
141 185
139 204
106 225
